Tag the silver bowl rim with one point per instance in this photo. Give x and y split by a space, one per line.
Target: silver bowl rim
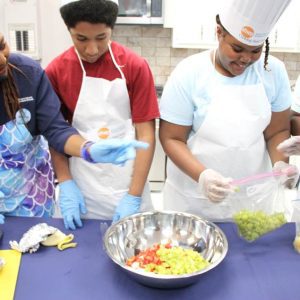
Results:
160 276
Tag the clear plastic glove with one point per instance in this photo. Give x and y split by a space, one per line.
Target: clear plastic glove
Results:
115 151
128 205
71 203
291 172
215 187
290 146
2 218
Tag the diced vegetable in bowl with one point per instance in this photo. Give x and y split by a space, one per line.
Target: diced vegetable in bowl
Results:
165 249
168 260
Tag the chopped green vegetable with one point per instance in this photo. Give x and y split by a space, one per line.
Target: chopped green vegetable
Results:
254 224
168 260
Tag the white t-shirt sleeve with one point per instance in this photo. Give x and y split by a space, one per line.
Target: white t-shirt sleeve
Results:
278 90
296 96
176 102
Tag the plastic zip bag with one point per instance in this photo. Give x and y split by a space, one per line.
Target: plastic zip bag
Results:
255 178
259 204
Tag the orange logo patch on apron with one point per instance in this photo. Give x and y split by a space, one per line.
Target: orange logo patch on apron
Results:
103 132
247 32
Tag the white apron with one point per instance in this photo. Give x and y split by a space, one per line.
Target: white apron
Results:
229 141
103 111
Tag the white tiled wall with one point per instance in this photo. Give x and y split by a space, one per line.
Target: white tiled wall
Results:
154 43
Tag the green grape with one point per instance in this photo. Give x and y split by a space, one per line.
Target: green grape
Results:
254 224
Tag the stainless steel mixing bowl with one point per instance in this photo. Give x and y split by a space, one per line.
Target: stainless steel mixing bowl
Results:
138 232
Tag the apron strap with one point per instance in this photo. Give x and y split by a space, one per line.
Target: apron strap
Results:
80 61
112 57
114 60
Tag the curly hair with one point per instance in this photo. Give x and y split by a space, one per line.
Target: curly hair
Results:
91 11
267 43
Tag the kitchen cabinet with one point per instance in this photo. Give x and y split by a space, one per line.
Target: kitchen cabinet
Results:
157 173
140 12
193 25
286 34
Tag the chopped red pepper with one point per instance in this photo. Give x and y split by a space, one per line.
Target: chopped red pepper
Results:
148 256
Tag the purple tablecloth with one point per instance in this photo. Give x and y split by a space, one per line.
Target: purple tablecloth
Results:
268 269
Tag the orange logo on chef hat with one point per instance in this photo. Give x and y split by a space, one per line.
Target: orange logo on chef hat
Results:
103 132
247 32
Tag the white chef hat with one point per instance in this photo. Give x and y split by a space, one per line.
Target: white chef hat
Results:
251 21
64 2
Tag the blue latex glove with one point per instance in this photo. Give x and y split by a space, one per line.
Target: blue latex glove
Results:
128 205
71 203
1 216
115 151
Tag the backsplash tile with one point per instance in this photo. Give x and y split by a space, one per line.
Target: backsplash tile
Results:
154 43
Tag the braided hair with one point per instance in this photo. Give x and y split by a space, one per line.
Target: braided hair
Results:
267 48
267 43
10 93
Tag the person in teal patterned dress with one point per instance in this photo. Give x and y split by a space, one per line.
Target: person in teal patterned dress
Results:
30 118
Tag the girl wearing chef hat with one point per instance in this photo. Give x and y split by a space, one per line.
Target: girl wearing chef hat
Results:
223 112
107 92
